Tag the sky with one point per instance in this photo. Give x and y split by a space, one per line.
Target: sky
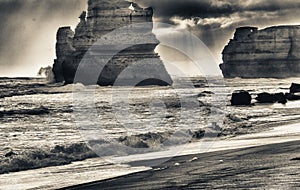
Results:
28 27
28 33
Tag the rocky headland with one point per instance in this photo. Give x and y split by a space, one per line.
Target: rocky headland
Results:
273 52
102 18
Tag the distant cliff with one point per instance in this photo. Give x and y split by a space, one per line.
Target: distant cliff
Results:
103 17
271 52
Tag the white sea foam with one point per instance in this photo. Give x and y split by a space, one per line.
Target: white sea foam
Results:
25 128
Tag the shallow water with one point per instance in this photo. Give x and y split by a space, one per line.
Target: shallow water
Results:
35 116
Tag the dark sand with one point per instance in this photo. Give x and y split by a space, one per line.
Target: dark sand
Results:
275 166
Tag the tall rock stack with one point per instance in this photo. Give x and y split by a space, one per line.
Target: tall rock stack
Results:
103 18
271 52
64 49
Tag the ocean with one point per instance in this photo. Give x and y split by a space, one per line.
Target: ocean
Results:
54 125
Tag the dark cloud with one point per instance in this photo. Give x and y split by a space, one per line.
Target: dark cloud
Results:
225 13
215 8
274 5
28 27
188 8
214 21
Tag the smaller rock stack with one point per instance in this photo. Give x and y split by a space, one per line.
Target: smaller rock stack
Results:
269 53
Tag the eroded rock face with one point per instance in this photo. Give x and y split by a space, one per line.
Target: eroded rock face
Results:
102 18
271 52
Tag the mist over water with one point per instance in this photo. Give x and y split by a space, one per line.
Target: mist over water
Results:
28 33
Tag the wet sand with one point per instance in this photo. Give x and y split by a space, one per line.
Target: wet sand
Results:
274 166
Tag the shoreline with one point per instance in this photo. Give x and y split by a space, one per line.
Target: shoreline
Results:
258 149
95 171
267 166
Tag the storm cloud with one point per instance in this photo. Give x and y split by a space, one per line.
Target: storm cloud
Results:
165 9
214 21
28 27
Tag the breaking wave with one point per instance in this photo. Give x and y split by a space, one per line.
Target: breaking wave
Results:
59 155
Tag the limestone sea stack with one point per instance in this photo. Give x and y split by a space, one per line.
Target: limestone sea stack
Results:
131 64
273 52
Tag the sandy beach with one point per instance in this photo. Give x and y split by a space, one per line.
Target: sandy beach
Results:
266 160
273 166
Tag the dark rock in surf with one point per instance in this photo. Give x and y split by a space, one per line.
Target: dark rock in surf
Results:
294 88
281 98
265 98
241 98
271 98
292 97
295 159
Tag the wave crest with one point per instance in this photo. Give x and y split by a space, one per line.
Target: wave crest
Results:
59 155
